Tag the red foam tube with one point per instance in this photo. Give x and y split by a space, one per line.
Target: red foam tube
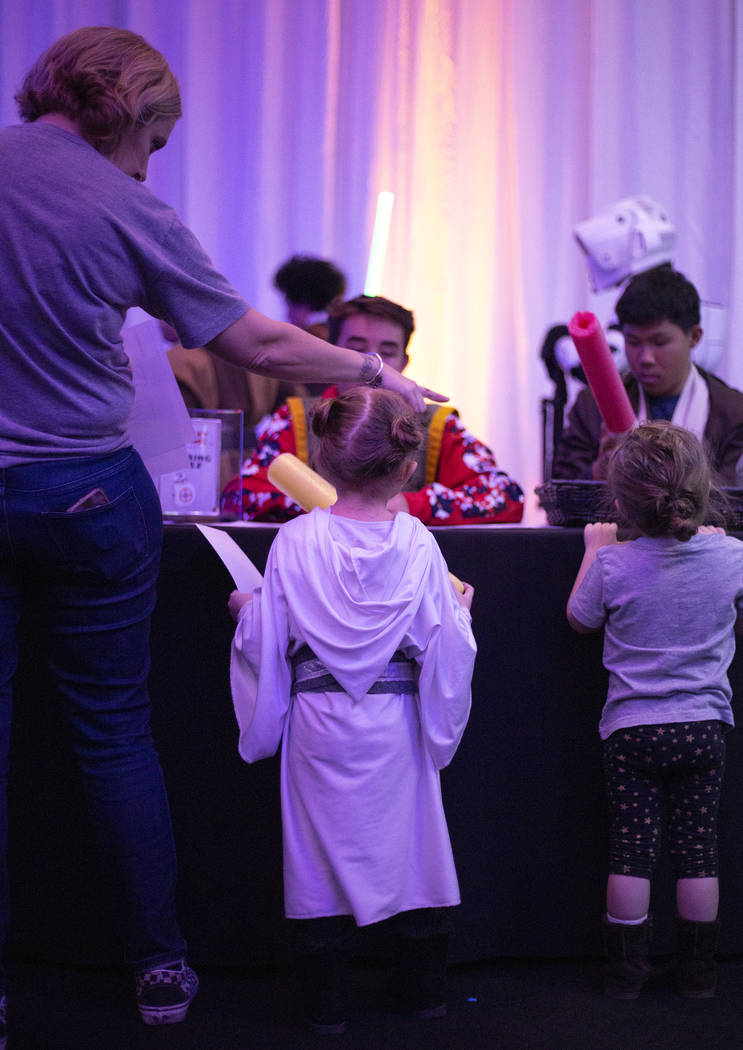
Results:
601 372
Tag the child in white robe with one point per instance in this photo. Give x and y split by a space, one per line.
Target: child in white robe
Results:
357 652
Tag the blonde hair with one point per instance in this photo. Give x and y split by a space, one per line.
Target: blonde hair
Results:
107 80
366 437
661 480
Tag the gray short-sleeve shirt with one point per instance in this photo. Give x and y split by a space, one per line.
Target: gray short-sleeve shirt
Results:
668 610
82 243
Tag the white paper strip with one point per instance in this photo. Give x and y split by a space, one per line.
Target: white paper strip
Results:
244 574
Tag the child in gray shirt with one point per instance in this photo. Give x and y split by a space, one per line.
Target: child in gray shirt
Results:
668 601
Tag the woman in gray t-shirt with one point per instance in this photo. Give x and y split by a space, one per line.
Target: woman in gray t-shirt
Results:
83 241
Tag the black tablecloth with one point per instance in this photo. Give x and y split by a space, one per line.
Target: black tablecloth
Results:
524 794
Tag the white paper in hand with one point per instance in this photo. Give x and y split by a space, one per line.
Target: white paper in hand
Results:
244 574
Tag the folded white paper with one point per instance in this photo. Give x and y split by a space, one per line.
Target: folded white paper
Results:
160 427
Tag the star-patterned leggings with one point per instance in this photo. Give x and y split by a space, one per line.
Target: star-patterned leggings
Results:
665 775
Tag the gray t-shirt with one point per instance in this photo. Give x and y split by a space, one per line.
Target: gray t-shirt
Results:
668 610
82 243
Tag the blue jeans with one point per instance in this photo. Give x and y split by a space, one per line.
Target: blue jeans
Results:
88 579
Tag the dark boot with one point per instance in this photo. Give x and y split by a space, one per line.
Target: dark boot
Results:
422 974
696 976
321 980
627 966
319 952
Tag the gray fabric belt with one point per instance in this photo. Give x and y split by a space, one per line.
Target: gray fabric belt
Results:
312 676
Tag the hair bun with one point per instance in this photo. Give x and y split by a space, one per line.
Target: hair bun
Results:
405 433
681 528
321 416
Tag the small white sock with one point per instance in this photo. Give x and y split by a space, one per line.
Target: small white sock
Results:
625 922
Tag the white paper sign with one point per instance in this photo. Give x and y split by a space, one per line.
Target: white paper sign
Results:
196 490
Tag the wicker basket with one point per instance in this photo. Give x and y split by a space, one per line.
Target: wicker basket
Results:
578 502
574 502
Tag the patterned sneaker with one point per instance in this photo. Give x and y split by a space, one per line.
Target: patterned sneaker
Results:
165 993
3 1023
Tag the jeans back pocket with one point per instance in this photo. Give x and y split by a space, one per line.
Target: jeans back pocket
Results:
108 541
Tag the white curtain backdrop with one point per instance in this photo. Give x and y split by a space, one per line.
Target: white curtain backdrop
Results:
498 124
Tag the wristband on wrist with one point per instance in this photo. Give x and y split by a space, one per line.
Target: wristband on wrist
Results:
376 379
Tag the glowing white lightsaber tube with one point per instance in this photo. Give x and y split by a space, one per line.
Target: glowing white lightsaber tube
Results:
378 248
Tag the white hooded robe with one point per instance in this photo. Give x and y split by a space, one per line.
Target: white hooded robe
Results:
363 822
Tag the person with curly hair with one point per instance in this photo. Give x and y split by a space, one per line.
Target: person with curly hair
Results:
669 599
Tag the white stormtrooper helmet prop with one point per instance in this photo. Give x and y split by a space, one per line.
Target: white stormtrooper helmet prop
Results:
632 235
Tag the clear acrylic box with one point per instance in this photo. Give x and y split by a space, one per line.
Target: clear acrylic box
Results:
215 455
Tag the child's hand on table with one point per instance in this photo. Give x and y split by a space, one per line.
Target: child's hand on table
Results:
599 534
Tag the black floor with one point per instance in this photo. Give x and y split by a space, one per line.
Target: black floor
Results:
504 1005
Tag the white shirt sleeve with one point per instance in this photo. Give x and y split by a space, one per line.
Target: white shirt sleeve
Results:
447 651
260 676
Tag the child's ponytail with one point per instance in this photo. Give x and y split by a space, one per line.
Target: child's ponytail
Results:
660 478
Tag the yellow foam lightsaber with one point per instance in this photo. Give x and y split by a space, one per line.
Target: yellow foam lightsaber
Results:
457 582
300 482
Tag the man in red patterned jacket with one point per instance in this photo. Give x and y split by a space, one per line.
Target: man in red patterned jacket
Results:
457 482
